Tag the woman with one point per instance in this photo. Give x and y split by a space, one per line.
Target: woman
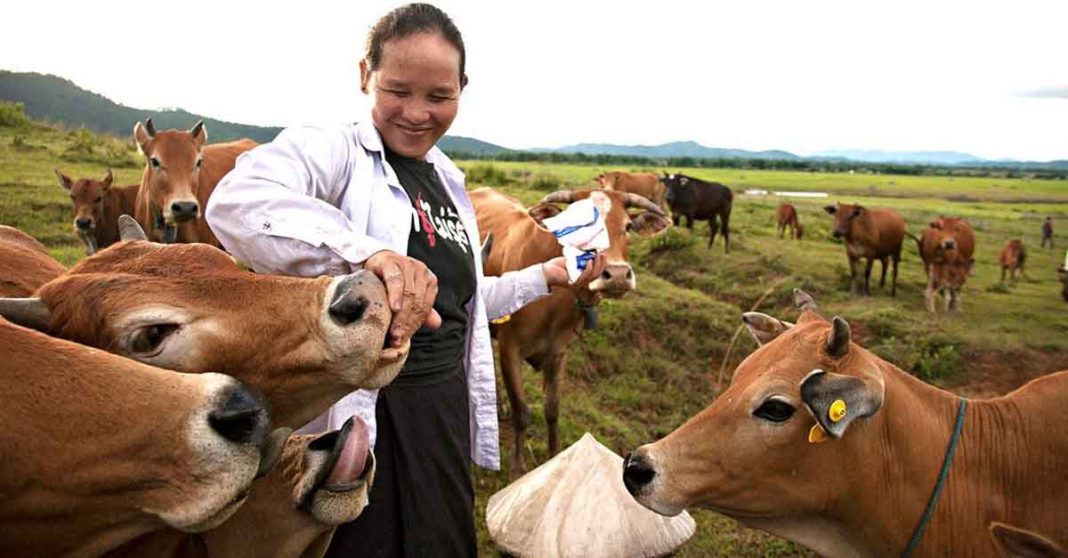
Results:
379 196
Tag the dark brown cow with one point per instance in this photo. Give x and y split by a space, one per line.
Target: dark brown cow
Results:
24 264
97 206
98 449
824 443
1012 258
542 331
947 246
644 184
871 234
179 177
786 215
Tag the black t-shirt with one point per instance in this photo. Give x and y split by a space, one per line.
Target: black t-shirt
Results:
439 240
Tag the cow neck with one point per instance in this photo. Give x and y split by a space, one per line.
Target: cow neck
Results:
107 231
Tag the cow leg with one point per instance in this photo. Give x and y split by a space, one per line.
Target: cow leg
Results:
689 222
711 230
1003 268
512 371
853 287
725 228
929 293
551 386
885 261
954 300
868 263
893 284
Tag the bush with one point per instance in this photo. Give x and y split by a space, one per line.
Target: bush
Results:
929 359
487 174
13 115
545 182
87 147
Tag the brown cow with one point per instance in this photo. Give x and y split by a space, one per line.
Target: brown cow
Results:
1012 258
644 184
751 454
97 207
872 234
542 331
946 247
99 449
24 264
179 177
786 215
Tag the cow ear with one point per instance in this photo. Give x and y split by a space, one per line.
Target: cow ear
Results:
684 181
1014 542
64 180
142 137
648 223
936 224
763 327
831 209
200 133
858 210
836 400
543 211
108 179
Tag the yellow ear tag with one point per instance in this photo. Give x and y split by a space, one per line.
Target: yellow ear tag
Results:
837 411
817 435
501 320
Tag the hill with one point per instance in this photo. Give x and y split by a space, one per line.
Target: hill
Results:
666 150
460 144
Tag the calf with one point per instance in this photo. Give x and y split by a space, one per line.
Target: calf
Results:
99 449
786 215
1012 258
947 246
179 177
542 331
871 234
97 206
24 263
755 454
696 199
644 184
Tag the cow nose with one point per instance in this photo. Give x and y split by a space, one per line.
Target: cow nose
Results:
183 210
242 419
618 275
348 306
637 473
949 244
83 223
837 233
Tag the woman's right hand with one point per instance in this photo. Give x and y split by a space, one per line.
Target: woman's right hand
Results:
411 289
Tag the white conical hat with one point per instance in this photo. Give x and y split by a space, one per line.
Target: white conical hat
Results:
575 505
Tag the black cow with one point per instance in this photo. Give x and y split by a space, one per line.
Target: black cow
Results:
699 200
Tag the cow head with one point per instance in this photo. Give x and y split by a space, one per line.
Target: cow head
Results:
676 186
754 452
943 235
304 342
101 448
172 164
844 215
87 195
618 277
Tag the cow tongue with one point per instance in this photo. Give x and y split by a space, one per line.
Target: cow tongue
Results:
352 458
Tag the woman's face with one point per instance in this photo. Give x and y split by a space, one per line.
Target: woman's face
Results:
415 92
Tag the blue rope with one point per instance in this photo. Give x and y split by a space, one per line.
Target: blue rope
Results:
933 502
570 229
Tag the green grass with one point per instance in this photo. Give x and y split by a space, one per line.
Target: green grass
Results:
656 358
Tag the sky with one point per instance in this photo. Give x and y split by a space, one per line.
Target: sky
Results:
985 78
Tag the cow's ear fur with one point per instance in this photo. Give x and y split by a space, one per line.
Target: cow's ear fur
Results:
858 210
543 211
831 209
821 390
648 223
64 180
764 328
108 179
684 181
936 224
1014 542
142 138
200 133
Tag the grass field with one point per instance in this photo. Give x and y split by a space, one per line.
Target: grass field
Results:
657 357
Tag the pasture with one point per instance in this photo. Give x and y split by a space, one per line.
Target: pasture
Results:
657 357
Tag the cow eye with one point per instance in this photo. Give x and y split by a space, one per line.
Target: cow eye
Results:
147 340
774 410
199 161
155 162
630 226
99 199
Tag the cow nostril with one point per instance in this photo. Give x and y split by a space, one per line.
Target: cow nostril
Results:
83 223
242 419
606 275
637 473
347 310
630 274
185 208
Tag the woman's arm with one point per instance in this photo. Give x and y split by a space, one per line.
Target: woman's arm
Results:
515 289
276 211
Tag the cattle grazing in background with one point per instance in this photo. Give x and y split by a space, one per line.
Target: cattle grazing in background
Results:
1012 258
786 215
1047 232
1062 274
98 449
542 331
947 246
180 174
644 184
97 206
24 264
696 199
869 234
813 431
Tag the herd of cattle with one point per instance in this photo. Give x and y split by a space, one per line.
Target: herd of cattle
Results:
166 354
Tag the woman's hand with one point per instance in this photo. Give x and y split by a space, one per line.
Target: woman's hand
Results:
411 289
555 271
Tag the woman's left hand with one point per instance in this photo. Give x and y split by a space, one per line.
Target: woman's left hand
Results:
555 271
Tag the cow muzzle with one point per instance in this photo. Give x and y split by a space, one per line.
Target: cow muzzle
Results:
183 210
83 224
949 244
616 280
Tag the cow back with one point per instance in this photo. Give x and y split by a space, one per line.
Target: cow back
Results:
645 184
518 241
24 263
881 231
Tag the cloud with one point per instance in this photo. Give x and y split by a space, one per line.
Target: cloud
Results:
1047 93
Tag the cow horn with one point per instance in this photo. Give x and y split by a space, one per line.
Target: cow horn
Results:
838 341
634 200
26 312
487 247
804 301
559 196
150 127
129 229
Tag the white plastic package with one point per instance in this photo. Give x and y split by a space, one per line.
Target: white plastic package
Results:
580 230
